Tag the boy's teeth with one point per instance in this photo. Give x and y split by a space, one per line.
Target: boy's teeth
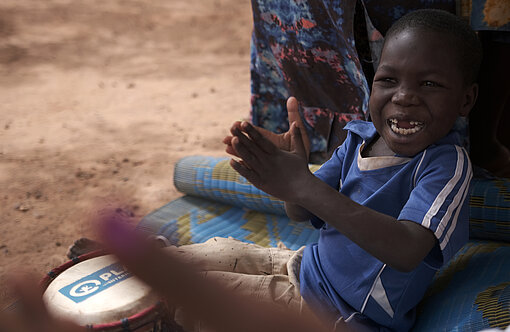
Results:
404 131
416 126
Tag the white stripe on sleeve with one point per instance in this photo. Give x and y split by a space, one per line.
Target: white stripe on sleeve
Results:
457 201
441 197
418 168
465 190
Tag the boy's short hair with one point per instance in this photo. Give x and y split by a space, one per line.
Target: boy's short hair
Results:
464 39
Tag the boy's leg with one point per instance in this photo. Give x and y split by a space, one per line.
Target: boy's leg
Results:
264 288
230 255
265 274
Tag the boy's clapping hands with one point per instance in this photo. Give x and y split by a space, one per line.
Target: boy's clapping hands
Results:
277 172
281 141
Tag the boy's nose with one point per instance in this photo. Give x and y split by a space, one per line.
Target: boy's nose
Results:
405 97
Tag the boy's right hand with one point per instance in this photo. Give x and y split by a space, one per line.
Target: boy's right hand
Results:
282 141
283 174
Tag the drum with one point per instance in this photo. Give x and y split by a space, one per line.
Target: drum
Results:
96 291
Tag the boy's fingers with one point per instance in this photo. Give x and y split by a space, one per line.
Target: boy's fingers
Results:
237 132
294 116
297 145
235 126
248 151
229 148
279 140
264 144
293 110
244 170
227 140
276 139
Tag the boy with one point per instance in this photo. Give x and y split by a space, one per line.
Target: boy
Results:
391 202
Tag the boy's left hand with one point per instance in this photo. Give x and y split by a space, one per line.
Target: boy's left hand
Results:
282 141
277 172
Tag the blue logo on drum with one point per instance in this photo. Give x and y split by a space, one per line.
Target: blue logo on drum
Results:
94 283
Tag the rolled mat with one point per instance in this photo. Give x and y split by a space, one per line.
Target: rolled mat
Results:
213 178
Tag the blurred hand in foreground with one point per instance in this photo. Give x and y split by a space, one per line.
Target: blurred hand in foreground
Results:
176 281
29 313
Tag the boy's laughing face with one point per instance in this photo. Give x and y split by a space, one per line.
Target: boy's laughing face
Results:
418 91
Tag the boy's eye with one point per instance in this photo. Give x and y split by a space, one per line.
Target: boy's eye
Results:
430 84
388 80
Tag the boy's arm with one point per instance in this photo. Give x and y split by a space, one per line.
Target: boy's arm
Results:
297 212
400 244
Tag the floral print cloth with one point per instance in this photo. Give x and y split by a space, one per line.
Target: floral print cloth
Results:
307 49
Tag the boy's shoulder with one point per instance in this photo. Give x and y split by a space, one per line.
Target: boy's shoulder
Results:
447 150
364 129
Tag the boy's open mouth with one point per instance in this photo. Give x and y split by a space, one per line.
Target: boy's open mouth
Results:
403 127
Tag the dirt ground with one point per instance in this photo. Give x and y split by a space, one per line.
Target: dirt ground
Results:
98 101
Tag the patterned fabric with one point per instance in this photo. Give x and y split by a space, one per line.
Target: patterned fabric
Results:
489 214
191 219
471 293
307 49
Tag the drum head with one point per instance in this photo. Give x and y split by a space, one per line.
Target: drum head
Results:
96 291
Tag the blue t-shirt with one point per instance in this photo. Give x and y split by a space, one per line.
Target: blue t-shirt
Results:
340 278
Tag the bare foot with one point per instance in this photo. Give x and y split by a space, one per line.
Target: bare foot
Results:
83 246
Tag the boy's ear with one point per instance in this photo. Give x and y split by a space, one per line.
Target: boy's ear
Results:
469 99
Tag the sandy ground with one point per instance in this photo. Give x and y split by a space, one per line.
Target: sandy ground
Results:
98 101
